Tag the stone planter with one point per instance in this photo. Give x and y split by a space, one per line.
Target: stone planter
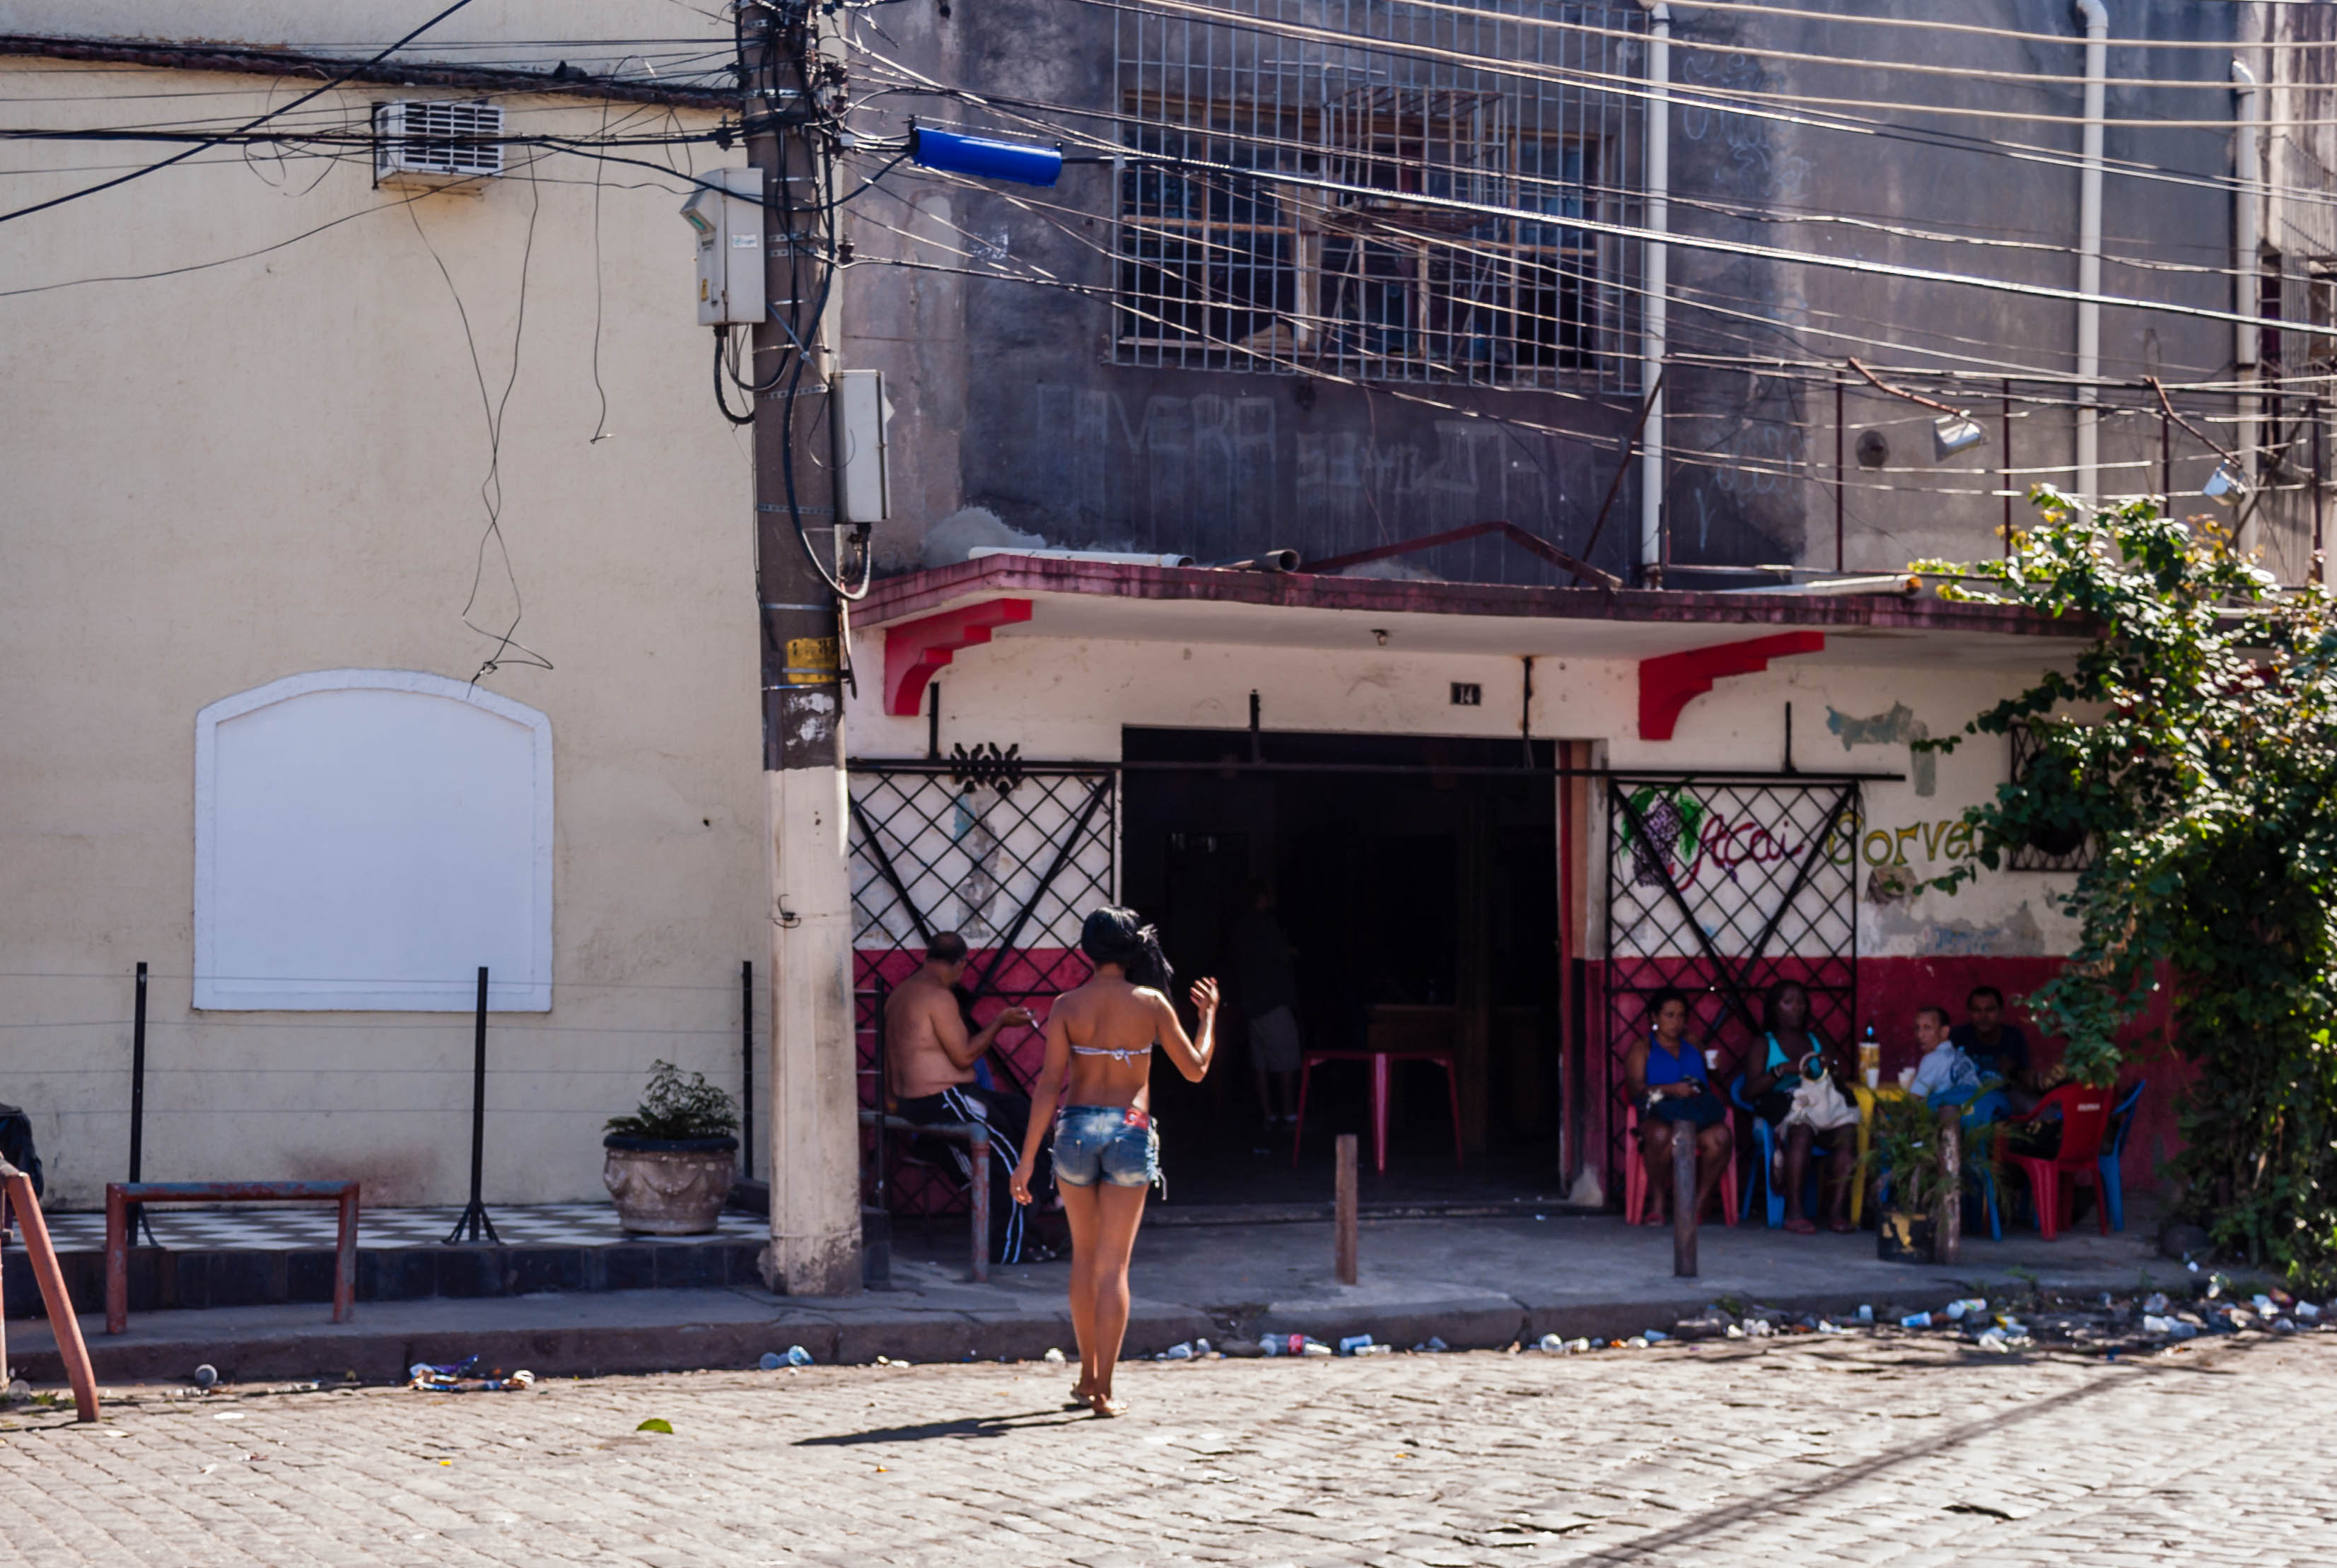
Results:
668 1186
1903 1238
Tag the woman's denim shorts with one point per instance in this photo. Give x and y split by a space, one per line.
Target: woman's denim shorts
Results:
1106 1144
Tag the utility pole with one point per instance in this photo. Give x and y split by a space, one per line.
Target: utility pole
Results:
813 1122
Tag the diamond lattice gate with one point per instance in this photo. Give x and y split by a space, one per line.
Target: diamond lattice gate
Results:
1724 888
1010 855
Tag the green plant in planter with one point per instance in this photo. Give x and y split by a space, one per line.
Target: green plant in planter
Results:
1903 1149
676 1109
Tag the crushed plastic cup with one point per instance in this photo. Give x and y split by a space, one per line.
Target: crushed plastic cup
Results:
772 1361
1734 1332
2308 1311
798 1357
1916 1321
1201 1348
1957 1310
2178 1330
1655 1335
1436 1344
1578 1346
1865 1314
1994 1339
1180 1352
1761 1328
1315 1348
2264 1306
1375 1350
1637 1342
1550 1342
1053 1357
1352 1343
2157 1304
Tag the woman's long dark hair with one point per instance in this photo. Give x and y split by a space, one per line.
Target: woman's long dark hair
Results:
1118 936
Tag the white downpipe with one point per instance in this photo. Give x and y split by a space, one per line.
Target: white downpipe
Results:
1655 320
2247 242
2097 18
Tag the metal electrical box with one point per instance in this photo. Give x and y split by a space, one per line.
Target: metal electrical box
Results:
863 418
729 223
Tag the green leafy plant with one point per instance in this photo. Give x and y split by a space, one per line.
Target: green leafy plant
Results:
679 1107
2195 745
1902 1148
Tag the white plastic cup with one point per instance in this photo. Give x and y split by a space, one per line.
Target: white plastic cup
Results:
1873 1078
1712 1059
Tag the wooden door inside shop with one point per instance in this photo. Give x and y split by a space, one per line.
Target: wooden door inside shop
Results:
1411 882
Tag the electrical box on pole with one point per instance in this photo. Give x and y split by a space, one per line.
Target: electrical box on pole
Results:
729 223
863 420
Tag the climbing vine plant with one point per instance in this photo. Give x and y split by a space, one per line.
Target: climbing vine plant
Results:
2195 743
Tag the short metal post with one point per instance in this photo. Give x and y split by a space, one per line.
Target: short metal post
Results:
2314 412
1950 1237
474 1218
746 1070
117 1259
1343 1246
71 1347
345 1261
981 1163
1684 1203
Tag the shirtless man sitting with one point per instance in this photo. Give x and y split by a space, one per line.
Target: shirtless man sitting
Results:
930 1056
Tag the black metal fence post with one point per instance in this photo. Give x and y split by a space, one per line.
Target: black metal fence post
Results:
746 1070
474 1217
138 1220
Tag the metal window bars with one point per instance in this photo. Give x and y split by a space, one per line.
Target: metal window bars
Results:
1722 889
1011 855
1219 271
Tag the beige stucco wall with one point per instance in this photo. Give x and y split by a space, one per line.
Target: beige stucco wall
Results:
273 466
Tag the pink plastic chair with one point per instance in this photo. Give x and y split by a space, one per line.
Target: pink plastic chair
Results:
1635 1173
2053 1183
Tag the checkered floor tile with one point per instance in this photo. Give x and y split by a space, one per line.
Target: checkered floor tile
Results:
242 1229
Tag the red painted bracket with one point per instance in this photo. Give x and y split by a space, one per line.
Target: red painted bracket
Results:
915 649
1670 683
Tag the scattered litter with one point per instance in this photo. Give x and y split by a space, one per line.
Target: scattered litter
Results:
1313 1348
2308 1311
771 1361
1761 1328
1865 1314
1053 1357
227 1415
1201 1348
1655 1337
1432 1344
1980 1508
1957 1310
1993 1339
656 1424
206 1375
1578 1346
1916 1321
1550 1342
450 1370
1180 1352
2264 1306
1734 1332
1636 1342
1352 1343
1374 1349
1824 1326
2156 1305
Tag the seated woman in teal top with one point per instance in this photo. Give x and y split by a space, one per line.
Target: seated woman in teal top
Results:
1666 1077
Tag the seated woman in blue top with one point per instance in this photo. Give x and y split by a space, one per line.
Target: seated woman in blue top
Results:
1666 1077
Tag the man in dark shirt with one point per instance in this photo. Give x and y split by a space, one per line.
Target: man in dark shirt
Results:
1999 1050
1267 990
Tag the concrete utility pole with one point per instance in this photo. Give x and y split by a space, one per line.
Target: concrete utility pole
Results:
815 1137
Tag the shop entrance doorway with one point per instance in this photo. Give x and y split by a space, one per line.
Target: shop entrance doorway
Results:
1415 877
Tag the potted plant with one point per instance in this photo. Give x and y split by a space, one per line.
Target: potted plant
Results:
1903 1149
670 1165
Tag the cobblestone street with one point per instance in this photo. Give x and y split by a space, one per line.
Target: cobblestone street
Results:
1843 1450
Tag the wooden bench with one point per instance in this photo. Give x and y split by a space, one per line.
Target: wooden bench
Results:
122 1196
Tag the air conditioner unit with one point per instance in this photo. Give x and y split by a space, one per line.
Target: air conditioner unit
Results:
437 142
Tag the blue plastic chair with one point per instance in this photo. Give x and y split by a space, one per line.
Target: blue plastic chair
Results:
2121 1122
1988 1108
1765 1151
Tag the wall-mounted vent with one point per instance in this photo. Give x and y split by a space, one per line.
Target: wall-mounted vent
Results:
437 142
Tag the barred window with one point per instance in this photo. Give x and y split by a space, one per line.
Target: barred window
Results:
1340 224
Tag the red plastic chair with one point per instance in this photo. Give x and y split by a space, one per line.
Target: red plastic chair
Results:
2053 1183
1635 1173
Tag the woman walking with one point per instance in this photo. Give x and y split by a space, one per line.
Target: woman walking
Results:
1107 1147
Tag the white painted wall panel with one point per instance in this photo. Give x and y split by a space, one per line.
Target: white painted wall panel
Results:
367 839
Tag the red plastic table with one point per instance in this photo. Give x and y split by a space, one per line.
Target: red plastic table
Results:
1379 1061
